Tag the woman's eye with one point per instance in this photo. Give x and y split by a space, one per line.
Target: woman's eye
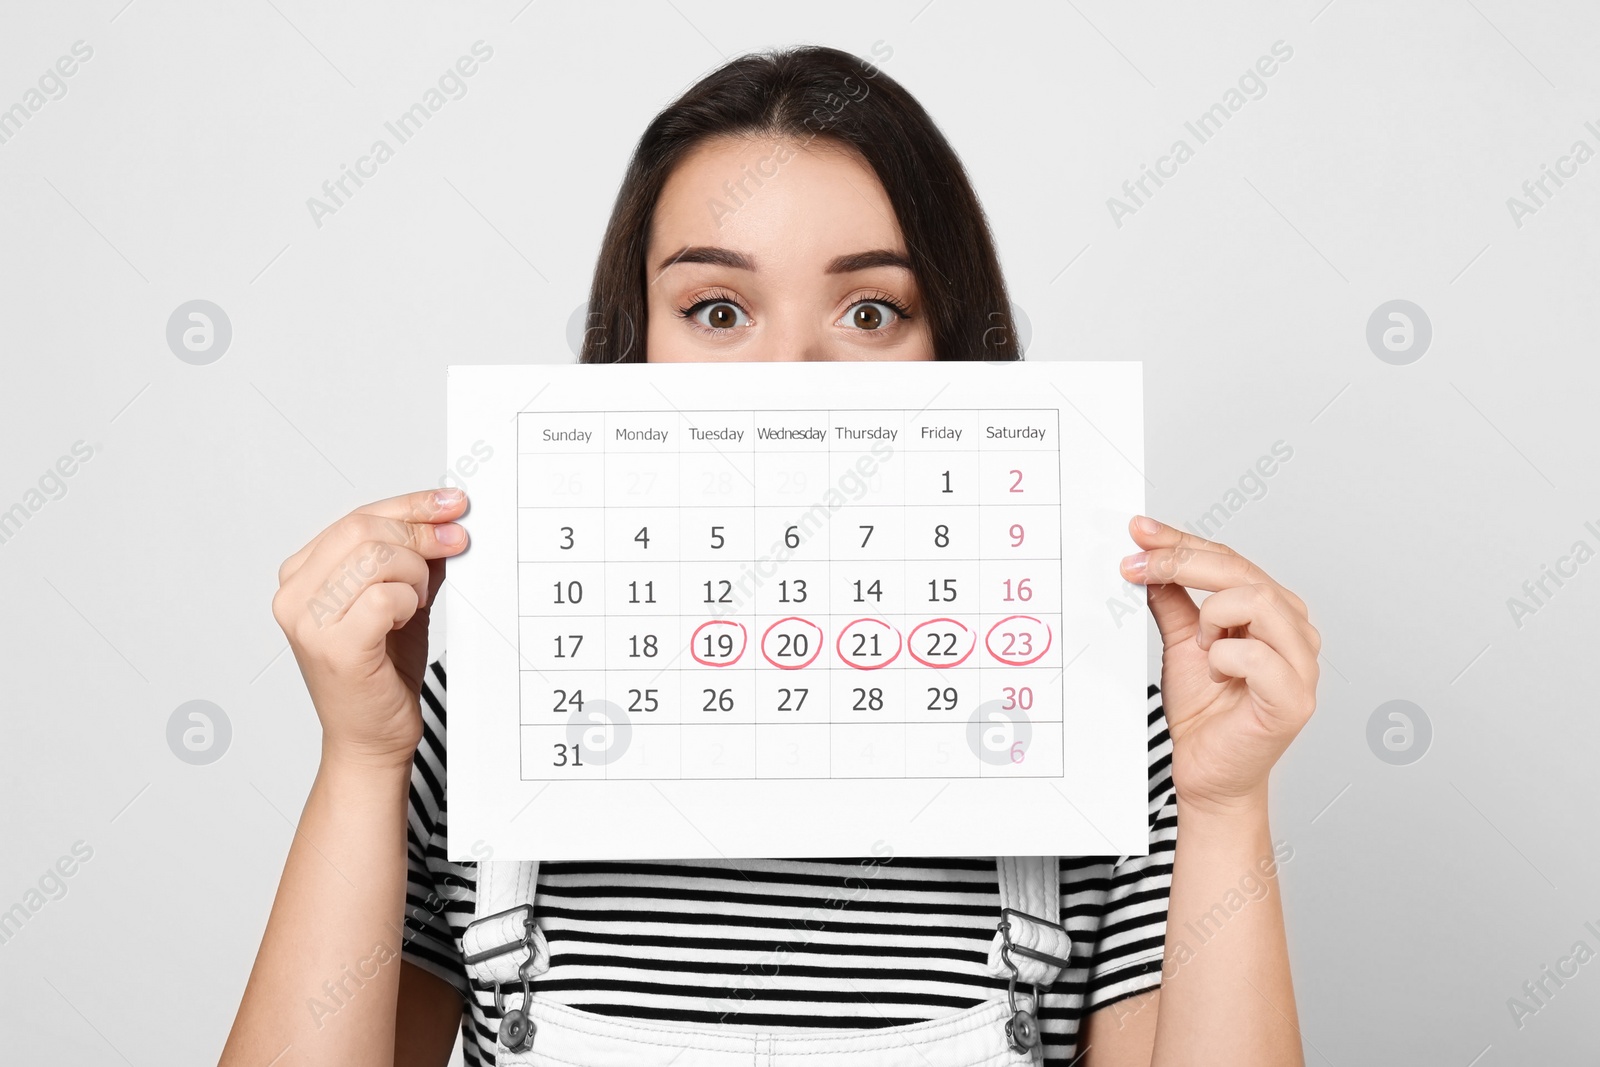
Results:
720 315
870 315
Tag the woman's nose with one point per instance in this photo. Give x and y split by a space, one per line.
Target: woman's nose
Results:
794 339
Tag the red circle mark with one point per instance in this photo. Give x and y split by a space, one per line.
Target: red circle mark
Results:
911 644
743 637
795 666
1048 636
838 645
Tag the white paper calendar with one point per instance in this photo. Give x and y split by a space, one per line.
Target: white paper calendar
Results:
748 610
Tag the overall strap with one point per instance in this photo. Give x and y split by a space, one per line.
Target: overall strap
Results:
503 944
1030 943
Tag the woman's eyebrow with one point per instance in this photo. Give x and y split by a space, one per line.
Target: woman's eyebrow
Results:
727 257
877 257
718 257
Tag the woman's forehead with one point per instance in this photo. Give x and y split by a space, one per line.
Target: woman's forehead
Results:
775 199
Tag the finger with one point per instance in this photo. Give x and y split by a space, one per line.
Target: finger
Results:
379 610
369 563
423 506
1170 605
1267 617
1195 568
1149 533
1152 533
1276 687
428 540
1173 609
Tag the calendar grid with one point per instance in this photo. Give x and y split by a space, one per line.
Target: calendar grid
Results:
898 723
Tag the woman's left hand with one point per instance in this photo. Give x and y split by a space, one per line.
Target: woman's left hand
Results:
1238 672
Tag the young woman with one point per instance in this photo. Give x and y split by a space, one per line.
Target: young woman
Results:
798 205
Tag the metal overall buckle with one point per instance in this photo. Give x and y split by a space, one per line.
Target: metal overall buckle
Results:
516 1028
1022 1029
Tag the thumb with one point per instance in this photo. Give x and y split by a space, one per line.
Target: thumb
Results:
1172 608
1170 602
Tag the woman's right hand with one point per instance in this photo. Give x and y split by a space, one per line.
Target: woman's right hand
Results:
354 603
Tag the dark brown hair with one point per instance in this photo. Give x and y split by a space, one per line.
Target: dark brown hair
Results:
813 92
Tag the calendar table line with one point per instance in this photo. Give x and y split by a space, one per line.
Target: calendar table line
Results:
942 451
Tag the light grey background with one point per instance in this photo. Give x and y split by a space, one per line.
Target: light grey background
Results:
1418 500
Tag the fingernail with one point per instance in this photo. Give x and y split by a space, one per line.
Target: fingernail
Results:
447 497
1147 524
1134 565
449 533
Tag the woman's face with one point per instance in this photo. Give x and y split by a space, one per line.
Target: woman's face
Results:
770 250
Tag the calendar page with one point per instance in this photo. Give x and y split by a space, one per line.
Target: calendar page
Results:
764 610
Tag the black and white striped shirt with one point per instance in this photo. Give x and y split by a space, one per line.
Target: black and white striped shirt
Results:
760 944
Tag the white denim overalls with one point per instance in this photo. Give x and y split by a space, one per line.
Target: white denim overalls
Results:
504 946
